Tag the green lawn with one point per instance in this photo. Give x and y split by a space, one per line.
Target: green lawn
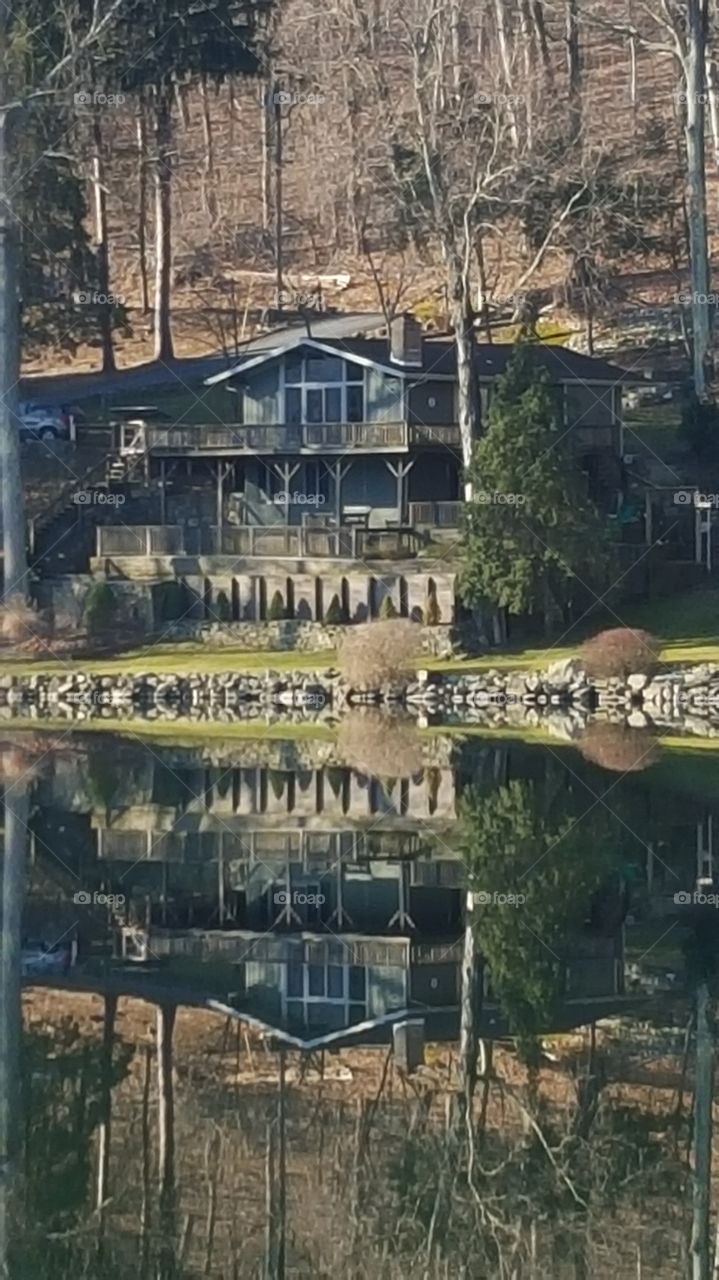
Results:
177 659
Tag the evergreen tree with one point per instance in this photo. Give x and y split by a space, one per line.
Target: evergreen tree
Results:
532 536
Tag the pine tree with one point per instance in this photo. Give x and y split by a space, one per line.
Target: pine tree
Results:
532 536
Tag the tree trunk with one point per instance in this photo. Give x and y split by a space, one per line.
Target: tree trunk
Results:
702 1141
278 209
470 1012
141 137
163 224
265 94
462 319
12 506
574 71
103 255
696 191
13 888
166 1140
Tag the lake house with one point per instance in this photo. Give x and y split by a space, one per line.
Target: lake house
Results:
323 470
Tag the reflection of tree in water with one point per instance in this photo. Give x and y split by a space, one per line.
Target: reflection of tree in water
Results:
534 875
62 1104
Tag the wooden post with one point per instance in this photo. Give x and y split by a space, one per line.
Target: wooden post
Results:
163 503
400 471
103 1156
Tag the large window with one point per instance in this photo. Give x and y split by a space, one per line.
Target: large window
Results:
321 388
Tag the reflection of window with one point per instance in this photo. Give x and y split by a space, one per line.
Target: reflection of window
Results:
338 984
322 388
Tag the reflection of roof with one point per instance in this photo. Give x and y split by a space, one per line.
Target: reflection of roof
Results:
440 1024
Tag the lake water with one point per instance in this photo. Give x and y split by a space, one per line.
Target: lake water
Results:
248 975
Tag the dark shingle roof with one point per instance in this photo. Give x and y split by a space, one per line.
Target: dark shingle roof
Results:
439 357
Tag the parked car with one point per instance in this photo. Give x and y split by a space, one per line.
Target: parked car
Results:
37 956
44 422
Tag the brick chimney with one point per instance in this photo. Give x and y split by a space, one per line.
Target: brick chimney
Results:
405 341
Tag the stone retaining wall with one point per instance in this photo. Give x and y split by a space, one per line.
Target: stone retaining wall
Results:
562 698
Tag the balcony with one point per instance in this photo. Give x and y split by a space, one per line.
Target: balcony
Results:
215 439
281 541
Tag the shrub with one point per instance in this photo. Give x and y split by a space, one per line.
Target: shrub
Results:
433 613
20 624
619 652
615 747
335 615
100 609
378 653
171 600
387 608
276 611
222 609
371 742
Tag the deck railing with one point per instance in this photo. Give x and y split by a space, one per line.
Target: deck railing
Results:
153 438
296 541
442 515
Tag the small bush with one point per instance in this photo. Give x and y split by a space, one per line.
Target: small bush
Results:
387 608
20 624
615 747
222 609
620 652
433 613
172 600
335 615
373 743
379 653
100 609
277 610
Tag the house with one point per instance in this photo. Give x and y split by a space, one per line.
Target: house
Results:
323 468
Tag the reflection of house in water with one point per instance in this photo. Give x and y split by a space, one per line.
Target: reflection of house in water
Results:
316 898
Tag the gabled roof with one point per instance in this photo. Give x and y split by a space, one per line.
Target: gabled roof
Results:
439 360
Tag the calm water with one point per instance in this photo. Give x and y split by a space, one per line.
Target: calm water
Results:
281 1096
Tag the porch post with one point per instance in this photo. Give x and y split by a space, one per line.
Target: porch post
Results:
400 471
285 470
338 473
163 503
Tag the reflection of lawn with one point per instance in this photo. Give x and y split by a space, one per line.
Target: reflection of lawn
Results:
176 659
656 944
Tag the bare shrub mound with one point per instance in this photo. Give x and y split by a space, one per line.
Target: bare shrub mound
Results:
378 653
620 652
21 626
375 743
615 747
